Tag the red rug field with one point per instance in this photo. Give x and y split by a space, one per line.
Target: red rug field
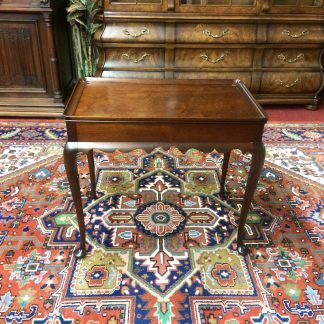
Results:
193 276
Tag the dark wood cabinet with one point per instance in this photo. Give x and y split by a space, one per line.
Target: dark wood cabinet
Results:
274 46
35 58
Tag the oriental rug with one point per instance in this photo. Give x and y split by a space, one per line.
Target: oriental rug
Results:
161 241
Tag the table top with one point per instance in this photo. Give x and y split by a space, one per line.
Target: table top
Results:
148 100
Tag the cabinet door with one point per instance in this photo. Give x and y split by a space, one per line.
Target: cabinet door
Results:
296 6
135 5
218 6
21 68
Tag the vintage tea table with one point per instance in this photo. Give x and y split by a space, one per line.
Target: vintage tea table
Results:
110 114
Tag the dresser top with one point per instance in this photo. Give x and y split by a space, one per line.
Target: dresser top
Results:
99 99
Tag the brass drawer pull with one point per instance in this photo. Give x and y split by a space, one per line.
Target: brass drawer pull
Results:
135 60
144 31
288 85
298 35
206 58
299 57
222 34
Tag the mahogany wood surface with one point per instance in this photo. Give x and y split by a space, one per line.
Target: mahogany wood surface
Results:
122 114
162 100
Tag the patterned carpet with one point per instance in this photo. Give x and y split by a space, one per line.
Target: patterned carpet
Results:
134 274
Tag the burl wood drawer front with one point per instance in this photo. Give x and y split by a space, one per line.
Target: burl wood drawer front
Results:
134 57
213 58
291 82
295 33
282 57
132 75
245 77
215 33
144 32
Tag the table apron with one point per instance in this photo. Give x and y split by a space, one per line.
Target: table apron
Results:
206 147
164 132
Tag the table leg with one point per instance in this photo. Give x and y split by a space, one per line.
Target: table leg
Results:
224 172
92 174
258 155
70 161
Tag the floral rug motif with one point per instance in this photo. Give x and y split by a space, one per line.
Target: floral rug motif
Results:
161 241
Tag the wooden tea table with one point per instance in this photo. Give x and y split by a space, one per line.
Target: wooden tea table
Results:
110 114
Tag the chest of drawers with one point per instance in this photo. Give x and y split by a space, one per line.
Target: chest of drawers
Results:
274 47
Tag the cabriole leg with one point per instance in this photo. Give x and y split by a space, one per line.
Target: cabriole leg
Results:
224 173
257 161
70 161
92 174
